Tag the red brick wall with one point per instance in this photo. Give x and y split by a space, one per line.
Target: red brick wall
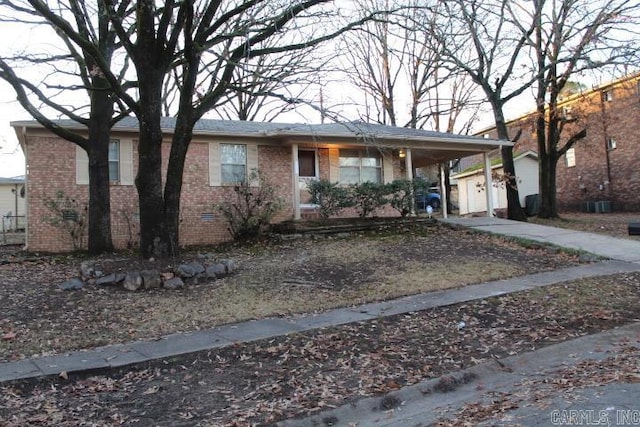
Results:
198 198
599 173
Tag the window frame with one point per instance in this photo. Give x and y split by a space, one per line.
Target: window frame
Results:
115 161
222 164
362 154
570 158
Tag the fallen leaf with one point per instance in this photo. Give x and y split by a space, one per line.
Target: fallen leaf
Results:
9 336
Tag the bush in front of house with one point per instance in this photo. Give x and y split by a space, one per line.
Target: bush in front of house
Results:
249 208
368 197
329 196
402 194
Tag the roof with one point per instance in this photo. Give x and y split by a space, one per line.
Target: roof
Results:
443 146
13 180
475 170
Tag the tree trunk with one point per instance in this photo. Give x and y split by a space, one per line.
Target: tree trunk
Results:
99 185
154 239
514 209
173 186
447 187
546 182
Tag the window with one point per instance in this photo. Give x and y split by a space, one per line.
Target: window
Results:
566 113
114 160
607 96
120 163
611 144
570 157
233 160
307 163
359 166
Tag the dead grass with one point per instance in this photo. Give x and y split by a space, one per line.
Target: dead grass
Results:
273 279
611 224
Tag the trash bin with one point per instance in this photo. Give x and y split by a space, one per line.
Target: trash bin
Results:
532 204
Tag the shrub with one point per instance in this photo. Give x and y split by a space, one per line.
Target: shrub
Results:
69 215
368 197
249 209
403 192
329 196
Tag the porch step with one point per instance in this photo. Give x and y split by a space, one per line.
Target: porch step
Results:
310 213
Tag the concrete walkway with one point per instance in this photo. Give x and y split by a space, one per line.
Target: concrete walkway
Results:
624 257
609 247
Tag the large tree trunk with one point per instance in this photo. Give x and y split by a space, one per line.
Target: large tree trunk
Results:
547 184
154 240
514 209
98 152
173 185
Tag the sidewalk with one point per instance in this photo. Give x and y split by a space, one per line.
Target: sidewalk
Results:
624 254
605 246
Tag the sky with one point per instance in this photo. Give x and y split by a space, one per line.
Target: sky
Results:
11 157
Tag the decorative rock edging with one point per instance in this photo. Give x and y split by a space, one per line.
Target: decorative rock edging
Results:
177 278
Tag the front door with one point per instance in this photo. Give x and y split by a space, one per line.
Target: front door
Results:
308 171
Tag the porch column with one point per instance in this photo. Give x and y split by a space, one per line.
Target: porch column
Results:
409 174
296 182
488 184
409 164
443 192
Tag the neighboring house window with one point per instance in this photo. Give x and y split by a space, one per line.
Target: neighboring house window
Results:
114 160
233 160
360 166
607 96
612 144
570 157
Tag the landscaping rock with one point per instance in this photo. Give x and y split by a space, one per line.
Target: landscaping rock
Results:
185 271
111 279
229 265
216 271
86 269
132 281
150 278
71 284
174 283
198 268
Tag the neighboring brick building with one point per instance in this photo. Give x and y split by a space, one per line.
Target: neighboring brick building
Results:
604 165
219 153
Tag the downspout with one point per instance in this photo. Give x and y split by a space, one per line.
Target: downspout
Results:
22 139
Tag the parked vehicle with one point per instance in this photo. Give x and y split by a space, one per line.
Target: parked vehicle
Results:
430 198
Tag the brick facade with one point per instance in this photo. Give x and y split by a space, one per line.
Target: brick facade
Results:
601 172
200 223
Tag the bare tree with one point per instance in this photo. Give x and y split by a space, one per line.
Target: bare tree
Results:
572 36
202 43
480 38
266 87
65 79
396 64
